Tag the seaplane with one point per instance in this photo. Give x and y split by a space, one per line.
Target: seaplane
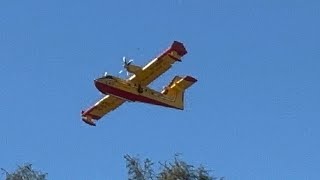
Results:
116 91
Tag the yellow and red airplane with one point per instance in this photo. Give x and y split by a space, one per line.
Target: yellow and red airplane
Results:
135 88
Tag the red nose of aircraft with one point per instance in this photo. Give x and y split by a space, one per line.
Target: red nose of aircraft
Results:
99 84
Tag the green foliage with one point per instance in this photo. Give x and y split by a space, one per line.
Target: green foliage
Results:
24 172
137 171
176 170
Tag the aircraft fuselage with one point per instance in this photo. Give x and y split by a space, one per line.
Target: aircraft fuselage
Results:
129 91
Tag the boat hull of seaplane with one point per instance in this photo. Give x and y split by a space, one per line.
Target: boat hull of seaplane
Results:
128 93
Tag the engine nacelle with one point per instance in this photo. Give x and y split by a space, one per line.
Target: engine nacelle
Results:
133 69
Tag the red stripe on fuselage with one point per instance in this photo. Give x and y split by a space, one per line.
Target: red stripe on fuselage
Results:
106 89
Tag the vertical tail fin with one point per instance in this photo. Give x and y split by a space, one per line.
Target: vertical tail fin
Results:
176 89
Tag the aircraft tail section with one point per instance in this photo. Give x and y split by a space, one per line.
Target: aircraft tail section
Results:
175 90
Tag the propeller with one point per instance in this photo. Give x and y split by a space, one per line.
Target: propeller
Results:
126 64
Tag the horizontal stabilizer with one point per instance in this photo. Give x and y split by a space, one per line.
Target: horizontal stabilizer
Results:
180 83
186 82
175 90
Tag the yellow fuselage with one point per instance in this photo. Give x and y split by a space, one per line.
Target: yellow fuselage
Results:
130 91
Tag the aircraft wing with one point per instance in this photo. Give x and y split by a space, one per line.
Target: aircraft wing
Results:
160 64
105 105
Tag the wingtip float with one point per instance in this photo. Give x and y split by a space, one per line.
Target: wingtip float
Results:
135 87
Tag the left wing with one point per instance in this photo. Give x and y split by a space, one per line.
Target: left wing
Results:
159 65
105 105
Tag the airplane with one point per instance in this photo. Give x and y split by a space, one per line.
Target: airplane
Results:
135 88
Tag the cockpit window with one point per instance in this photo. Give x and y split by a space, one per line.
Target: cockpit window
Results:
108 77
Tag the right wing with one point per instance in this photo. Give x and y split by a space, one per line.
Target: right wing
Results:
105 105
160 64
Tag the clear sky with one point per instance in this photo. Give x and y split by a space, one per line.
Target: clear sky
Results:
253 114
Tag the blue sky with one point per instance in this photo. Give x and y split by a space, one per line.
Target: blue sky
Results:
253 114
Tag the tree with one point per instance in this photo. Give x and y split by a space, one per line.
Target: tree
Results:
176 170
137 170
25 172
